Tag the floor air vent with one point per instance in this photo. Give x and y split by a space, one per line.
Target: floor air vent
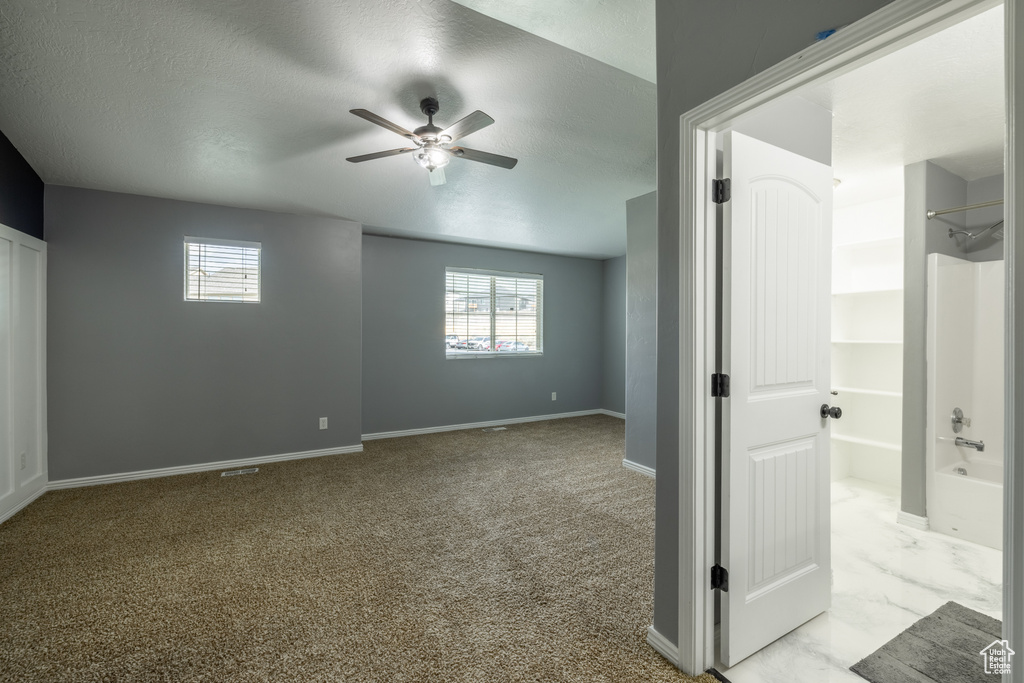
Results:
235 473
495 429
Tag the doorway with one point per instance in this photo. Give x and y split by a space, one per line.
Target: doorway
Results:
699 130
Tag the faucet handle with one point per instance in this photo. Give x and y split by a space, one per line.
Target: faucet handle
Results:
959 421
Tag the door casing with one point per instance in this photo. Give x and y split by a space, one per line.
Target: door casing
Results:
882 32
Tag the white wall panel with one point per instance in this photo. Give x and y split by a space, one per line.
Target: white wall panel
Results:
23 469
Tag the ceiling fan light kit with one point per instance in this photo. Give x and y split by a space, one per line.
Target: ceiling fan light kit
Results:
432 150
432 156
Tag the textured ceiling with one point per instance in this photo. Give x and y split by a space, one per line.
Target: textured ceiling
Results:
619 33
245 103
941 98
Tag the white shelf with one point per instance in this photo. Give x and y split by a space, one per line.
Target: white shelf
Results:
883 290
867 442
867 342
870 392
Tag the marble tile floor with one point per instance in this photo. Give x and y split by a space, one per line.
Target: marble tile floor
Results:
886 576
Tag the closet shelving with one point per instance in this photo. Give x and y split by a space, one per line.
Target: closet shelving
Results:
867 358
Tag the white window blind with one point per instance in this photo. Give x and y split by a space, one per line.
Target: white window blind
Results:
493 312
222 270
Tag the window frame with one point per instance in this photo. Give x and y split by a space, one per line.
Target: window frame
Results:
538 352
218 242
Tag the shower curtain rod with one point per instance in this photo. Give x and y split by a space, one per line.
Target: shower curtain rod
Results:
932 214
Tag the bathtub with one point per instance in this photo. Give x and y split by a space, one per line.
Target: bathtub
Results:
964 495
969 506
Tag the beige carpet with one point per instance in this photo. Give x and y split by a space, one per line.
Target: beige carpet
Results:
522 555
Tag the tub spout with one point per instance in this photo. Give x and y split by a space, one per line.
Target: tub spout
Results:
976 445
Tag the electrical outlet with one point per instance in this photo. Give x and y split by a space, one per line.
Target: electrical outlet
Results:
23 462
323 423
554 395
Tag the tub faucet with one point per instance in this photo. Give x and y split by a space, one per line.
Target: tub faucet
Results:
976 445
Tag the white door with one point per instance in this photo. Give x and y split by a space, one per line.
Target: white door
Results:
23 473
775 444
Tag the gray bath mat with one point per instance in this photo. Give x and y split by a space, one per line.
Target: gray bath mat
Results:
943 647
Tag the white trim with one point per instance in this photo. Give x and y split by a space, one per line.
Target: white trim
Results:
913 521
663 645
201 467
22 505
493 273
476 425
479 355
611 413
884 31
217 242
637 467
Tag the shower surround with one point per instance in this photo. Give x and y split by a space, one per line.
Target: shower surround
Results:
965 398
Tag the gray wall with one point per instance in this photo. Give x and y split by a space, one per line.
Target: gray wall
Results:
140 379
641 328
613 374
705 48
21 192
929 186
924 184
408 383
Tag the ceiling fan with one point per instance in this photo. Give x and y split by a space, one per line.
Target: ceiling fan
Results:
433 150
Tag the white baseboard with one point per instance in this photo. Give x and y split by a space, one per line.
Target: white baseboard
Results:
481 425
201 467
666 649
22 505
612 413
913 521
637 467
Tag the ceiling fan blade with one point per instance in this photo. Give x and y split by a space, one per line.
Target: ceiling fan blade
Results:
467 125
437 176
484 157
380 155
383 123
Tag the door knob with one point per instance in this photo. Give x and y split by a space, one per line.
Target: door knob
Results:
835 412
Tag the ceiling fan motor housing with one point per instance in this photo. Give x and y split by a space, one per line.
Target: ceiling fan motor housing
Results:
429 106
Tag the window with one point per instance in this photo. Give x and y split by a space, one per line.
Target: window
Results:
222 270
492 313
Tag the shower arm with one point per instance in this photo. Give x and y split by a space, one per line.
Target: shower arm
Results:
975 235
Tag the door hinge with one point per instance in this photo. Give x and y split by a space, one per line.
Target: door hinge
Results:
720 578
720 385
721 192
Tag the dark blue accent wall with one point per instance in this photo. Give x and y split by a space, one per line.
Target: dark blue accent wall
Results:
21 192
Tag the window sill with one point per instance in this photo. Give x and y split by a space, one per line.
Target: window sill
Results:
482 355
